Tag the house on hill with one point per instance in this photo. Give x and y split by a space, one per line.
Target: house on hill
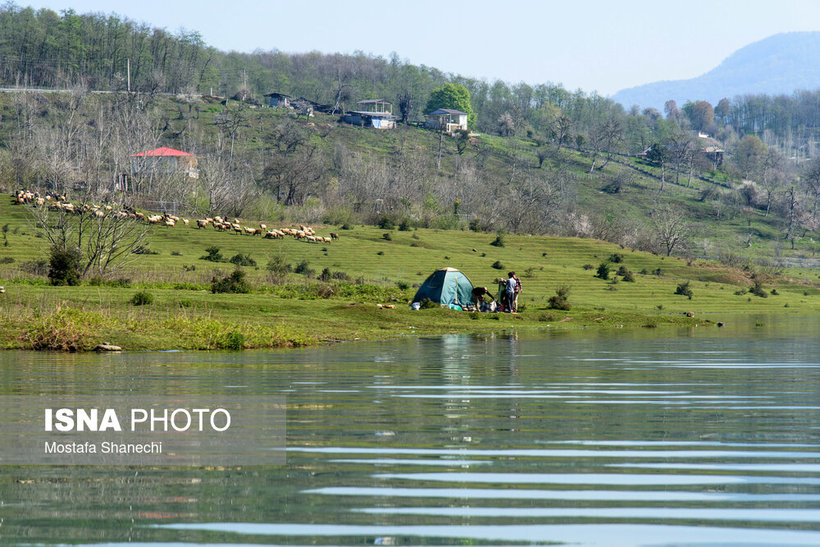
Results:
162 161
374 113
447 120
300 105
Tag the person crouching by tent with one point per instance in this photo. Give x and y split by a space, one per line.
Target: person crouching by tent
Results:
509 293
478 297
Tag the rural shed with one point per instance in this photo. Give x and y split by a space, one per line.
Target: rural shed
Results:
446 119
165 161
374 113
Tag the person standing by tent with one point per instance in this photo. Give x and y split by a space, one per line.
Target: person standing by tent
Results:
518 289
509 293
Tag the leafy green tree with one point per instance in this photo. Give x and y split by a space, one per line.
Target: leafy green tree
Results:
453 96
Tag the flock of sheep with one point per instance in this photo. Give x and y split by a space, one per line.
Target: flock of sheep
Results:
60 203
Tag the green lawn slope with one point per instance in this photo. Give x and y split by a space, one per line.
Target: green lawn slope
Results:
368 267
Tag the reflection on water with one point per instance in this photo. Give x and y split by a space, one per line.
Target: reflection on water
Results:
644 438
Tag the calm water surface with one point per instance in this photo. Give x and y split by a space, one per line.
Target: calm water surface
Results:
693 437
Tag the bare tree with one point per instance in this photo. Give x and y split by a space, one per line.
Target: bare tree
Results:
670 227
106 239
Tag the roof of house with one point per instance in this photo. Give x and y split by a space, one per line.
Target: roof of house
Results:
371 114
162 151
274 94
442 111
373 101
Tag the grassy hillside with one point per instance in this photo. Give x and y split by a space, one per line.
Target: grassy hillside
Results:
372 266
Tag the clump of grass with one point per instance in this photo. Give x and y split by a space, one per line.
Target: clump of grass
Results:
65 330
428 304
142 298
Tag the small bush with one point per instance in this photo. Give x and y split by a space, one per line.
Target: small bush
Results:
404 226
233 283
7 260
143 250
498 241
602 271
325 275
402 285
387 237
616 258
498 265
277 265
475 225
684 290
774 292
588 266
142 298
757 288
213 255
242 260
35 267
64 266
340 276
303 267
561 299
176 253
232 340
386 223
429 304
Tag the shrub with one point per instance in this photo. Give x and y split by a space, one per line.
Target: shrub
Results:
303 268
603 271
277 265
475 225
386 223
142 298
498 265
561 299
498 241
616 258
233 340
757 288
35 267
588 266
774 292
64 266
387 237
233 283
402 285
242 260
325 275
213 255
404 226
143 250
684 289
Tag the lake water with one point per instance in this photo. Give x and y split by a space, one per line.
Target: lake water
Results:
630 437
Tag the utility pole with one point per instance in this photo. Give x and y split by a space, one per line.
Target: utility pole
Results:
128 64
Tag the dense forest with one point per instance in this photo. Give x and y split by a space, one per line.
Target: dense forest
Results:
58 142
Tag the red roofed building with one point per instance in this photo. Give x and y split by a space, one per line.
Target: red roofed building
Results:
164 161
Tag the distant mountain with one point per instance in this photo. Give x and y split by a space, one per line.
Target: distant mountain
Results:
780 64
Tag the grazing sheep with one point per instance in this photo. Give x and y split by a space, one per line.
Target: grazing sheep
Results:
262 226
201 223
334 235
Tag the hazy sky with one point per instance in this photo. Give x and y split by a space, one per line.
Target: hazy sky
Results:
594 45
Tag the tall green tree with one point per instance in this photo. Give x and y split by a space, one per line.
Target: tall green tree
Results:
453 96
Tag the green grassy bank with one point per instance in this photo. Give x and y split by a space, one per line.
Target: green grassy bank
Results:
366 267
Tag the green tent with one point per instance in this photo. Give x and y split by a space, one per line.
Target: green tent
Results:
446 286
